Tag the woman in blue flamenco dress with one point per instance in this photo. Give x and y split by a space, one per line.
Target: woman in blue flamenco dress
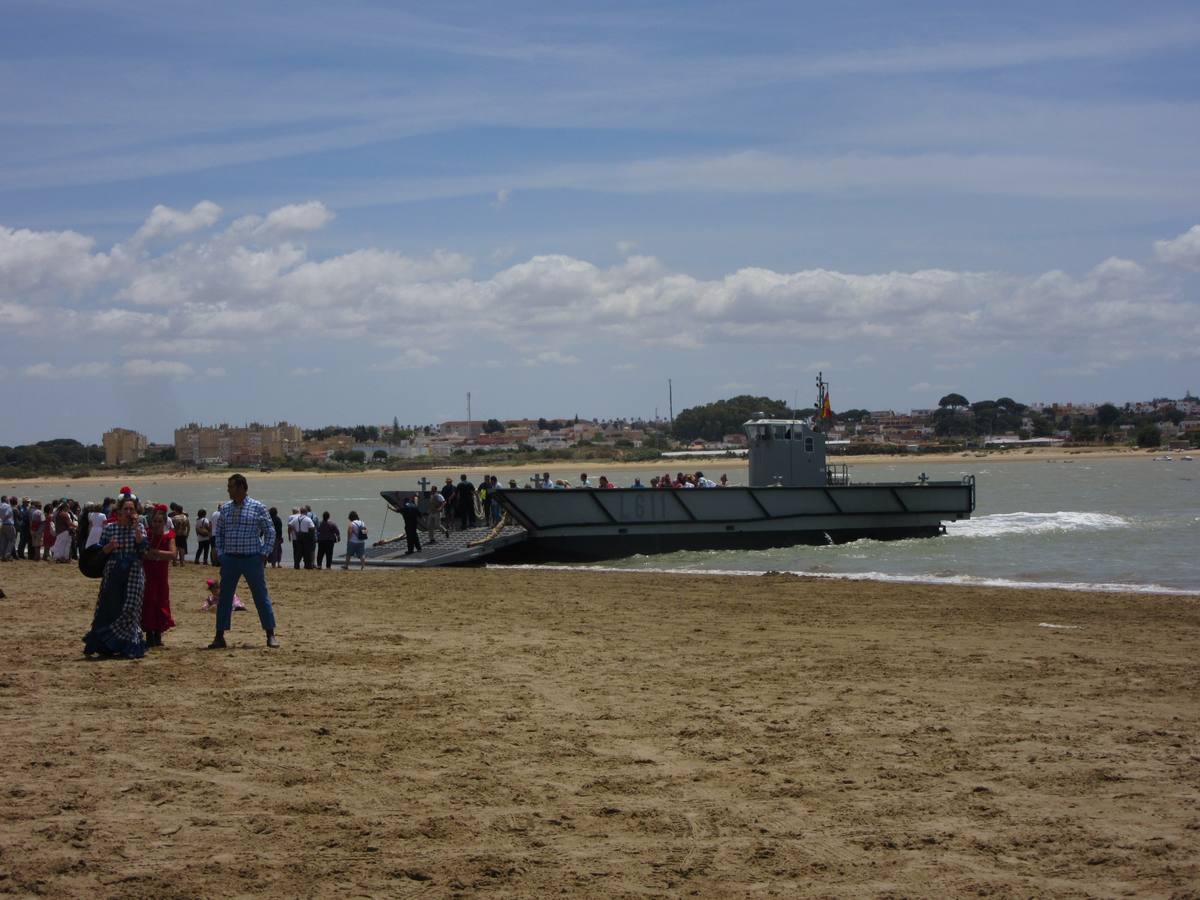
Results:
117 623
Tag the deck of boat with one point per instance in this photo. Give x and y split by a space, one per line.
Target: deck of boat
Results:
462 548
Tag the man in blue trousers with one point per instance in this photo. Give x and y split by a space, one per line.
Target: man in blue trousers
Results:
243 537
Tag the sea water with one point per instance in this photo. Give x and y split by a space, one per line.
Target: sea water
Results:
1108 524
1129 524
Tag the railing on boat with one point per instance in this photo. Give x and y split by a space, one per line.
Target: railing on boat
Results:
838 473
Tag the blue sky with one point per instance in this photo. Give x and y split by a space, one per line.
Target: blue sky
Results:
348 212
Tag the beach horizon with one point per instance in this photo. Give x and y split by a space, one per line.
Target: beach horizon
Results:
598 466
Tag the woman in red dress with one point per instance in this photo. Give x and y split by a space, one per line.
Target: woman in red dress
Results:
156 602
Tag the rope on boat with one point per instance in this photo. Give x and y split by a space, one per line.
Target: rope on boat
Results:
494 533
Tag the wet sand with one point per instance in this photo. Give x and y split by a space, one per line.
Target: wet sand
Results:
525 733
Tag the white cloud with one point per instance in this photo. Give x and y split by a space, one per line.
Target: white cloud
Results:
214 372
48 263
625 248
414 358
625 367
79 370
1115 267
124 324
165 222
503 253
550 358
248 287
295 218
156 368
167 348
502 197
14 314
1181 251
310 216
300 371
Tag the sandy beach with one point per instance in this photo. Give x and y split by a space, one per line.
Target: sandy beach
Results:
524 733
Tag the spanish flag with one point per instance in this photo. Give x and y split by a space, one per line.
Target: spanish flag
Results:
826 412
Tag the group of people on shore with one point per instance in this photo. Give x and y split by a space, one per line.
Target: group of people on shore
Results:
133 548
33 530
57 531
309 536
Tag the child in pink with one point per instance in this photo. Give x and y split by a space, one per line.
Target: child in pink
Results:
214 597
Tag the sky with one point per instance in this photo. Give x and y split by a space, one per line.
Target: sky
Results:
354 212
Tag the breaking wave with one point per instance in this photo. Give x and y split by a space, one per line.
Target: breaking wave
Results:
1035 523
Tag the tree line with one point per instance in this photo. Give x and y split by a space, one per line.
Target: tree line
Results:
955 417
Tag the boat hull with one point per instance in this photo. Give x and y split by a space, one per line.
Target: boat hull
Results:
608 524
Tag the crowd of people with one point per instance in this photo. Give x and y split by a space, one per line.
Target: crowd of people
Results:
57 531
140 542
666 481
131 546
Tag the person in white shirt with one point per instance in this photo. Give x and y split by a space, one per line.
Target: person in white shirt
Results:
213 521
203 537
8 529
96 521
306 535
356 541
294 535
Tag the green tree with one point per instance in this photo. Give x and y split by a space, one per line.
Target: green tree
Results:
1042 426
493 426
1149 435
1107 416
1082 432
853 415
713 421
953 401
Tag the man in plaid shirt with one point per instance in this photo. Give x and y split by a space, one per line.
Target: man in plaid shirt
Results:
243 538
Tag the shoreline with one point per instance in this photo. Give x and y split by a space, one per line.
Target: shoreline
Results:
599 466
1108 589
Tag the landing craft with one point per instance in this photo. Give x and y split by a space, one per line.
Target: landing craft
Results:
794 497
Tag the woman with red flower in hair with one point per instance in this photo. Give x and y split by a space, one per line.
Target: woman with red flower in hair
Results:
156 602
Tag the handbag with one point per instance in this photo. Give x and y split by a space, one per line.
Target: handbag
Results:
92 560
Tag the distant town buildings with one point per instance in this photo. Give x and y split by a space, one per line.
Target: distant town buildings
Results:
252 444
122 446
257 444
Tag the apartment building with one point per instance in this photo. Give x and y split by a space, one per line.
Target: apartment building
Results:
251 444
123 446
